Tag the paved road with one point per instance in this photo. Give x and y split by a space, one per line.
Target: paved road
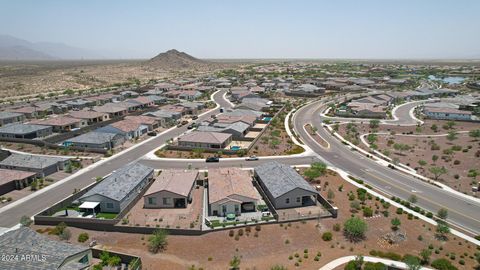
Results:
462 212
10 216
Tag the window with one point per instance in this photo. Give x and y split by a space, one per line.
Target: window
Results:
166 201
224 208
236 208
109 205
152 200
287 200
298 199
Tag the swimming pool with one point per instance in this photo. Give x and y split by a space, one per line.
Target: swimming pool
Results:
268 119
235 148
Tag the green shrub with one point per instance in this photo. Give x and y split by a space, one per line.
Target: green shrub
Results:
443 264
327 236
83 237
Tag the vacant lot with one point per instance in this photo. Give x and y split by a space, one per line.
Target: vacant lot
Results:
262 247
428 146
33 78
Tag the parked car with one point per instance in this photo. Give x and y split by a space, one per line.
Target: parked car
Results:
184 122
194 117
152 133
222 109
251 158
192 125
212 159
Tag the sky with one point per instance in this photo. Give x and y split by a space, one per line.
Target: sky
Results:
358 29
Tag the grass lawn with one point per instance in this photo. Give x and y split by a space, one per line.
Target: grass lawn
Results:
107 215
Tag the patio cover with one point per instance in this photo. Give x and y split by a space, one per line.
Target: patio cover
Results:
89 205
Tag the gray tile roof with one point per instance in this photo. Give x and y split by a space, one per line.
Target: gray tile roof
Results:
31 161
22 128
6 115
93 138
280 178
121 182
25 241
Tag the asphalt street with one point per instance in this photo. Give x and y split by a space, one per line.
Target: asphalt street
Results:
462 212
10 214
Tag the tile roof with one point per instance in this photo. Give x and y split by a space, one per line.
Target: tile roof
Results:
25 241
280 178
126 125
31 161
205 137
142 119
121 182
5 115
86 114
22 128
7 176
176 181
57 121
226 182
93 137
109 108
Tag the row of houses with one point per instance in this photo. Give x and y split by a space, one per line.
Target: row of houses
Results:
17 171
460 108
229 190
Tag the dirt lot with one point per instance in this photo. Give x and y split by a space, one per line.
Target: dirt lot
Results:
275 243
180 218
458 156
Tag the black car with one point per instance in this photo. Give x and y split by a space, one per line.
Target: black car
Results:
152 133
194 117
212 159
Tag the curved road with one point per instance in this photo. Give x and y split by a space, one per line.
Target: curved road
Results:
462 212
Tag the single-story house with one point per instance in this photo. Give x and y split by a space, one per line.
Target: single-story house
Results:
36 251
14 179
129 129
90 116
41 165
231 190
25 131
115 192
447 113
238 129
29 111
112 109
150 122
284 187
94 139
11 117
172 189
256 104
62 123
206 140
306 90
79 104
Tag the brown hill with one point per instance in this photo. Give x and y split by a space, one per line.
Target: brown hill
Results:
174 59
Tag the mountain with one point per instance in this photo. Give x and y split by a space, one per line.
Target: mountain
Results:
22 53
12 48
174 59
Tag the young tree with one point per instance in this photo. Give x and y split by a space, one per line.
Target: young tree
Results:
412 262
434 158
442 230
473 173
371 138
442 213
330 194
434 128
425 255
422 162
449 125
355 229
374 123
437 171
452 135
413 198
278 267
114 261
474 133
396 224
157 241
235 263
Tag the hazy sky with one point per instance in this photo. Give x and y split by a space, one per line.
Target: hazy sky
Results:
253 29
